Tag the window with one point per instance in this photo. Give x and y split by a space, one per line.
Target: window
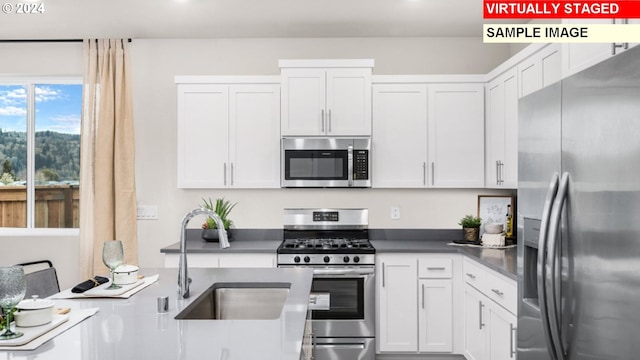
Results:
40 153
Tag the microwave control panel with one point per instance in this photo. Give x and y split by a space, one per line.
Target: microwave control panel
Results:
360 164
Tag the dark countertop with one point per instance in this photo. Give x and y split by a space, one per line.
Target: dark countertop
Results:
384 240
500 260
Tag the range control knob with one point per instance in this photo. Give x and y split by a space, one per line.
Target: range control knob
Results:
356 259
307 259
327 259
345 259
296 259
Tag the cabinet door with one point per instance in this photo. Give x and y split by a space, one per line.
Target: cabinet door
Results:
348 110
303 102
203 135
475 332
397 303
502 337
400 133
435 329
246 260
579 56
540 69
502 131
456 135
254 157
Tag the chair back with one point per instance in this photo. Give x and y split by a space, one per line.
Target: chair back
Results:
43 282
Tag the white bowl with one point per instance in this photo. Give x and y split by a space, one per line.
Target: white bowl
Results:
125 274
493 228
33 312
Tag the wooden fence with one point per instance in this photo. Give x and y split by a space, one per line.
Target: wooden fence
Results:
57 206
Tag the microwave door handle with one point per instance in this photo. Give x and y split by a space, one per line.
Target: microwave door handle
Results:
350 165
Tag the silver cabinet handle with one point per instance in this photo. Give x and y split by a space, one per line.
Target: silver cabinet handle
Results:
471 276
512 348
433 173
424 173
497 172
383 268
322 119
423 296
225 174
480 312
231 174
498 292
329 121
439 268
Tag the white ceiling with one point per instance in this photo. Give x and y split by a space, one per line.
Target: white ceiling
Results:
78 19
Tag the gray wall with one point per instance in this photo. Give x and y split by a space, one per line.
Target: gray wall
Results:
155 63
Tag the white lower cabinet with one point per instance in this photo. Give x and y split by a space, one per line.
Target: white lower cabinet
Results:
490 319
415 302
248 260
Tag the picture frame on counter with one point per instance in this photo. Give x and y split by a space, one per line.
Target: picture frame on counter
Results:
493 209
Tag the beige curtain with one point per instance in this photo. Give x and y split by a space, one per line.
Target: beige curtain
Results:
107 174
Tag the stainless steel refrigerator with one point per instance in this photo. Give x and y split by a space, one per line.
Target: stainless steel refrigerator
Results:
579 215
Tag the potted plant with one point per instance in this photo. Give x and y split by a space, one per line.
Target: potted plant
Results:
222 207
471 227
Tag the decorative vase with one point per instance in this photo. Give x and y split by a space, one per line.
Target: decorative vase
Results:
211 235
471 234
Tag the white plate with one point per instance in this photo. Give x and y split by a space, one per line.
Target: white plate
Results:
33 332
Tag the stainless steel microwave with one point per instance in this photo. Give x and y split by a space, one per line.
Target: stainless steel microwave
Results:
326 162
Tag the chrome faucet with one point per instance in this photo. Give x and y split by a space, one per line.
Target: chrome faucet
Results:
183 278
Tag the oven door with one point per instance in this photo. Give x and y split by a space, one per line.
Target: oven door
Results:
342 302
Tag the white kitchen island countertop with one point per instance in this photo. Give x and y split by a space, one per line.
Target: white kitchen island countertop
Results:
125 329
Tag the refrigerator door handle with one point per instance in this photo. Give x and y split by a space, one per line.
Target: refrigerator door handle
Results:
552 263
542 254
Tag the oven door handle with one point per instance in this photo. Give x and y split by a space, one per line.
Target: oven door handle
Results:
346 272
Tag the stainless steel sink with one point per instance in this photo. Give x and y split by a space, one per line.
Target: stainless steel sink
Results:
238 301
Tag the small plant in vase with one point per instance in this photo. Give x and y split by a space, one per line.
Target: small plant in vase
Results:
471 227
222 207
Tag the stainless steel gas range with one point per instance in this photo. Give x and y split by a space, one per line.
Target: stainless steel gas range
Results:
335 243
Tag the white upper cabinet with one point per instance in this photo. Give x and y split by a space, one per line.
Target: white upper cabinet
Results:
326 101
540 69
456 135
579 56
502 131
219 128
399 135
428 135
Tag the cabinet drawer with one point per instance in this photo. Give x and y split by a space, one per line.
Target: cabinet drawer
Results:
440 268
502 291
474 275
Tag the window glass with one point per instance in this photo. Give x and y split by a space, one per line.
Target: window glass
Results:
57 155
53 112
13 156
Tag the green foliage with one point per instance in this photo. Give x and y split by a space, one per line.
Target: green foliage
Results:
6 178
470 221
222 207
53 150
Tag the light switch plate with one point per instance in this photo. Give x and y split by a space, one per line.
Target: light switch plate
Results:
147 212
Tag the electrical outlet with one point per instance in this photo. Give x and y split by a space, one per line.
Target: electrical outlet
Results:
147 212
395 212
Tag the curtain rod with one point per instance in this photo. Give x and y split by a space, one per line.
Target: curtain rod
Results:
45 40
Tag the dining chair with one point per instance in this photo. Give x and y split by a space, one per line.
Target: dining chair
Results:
41 278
